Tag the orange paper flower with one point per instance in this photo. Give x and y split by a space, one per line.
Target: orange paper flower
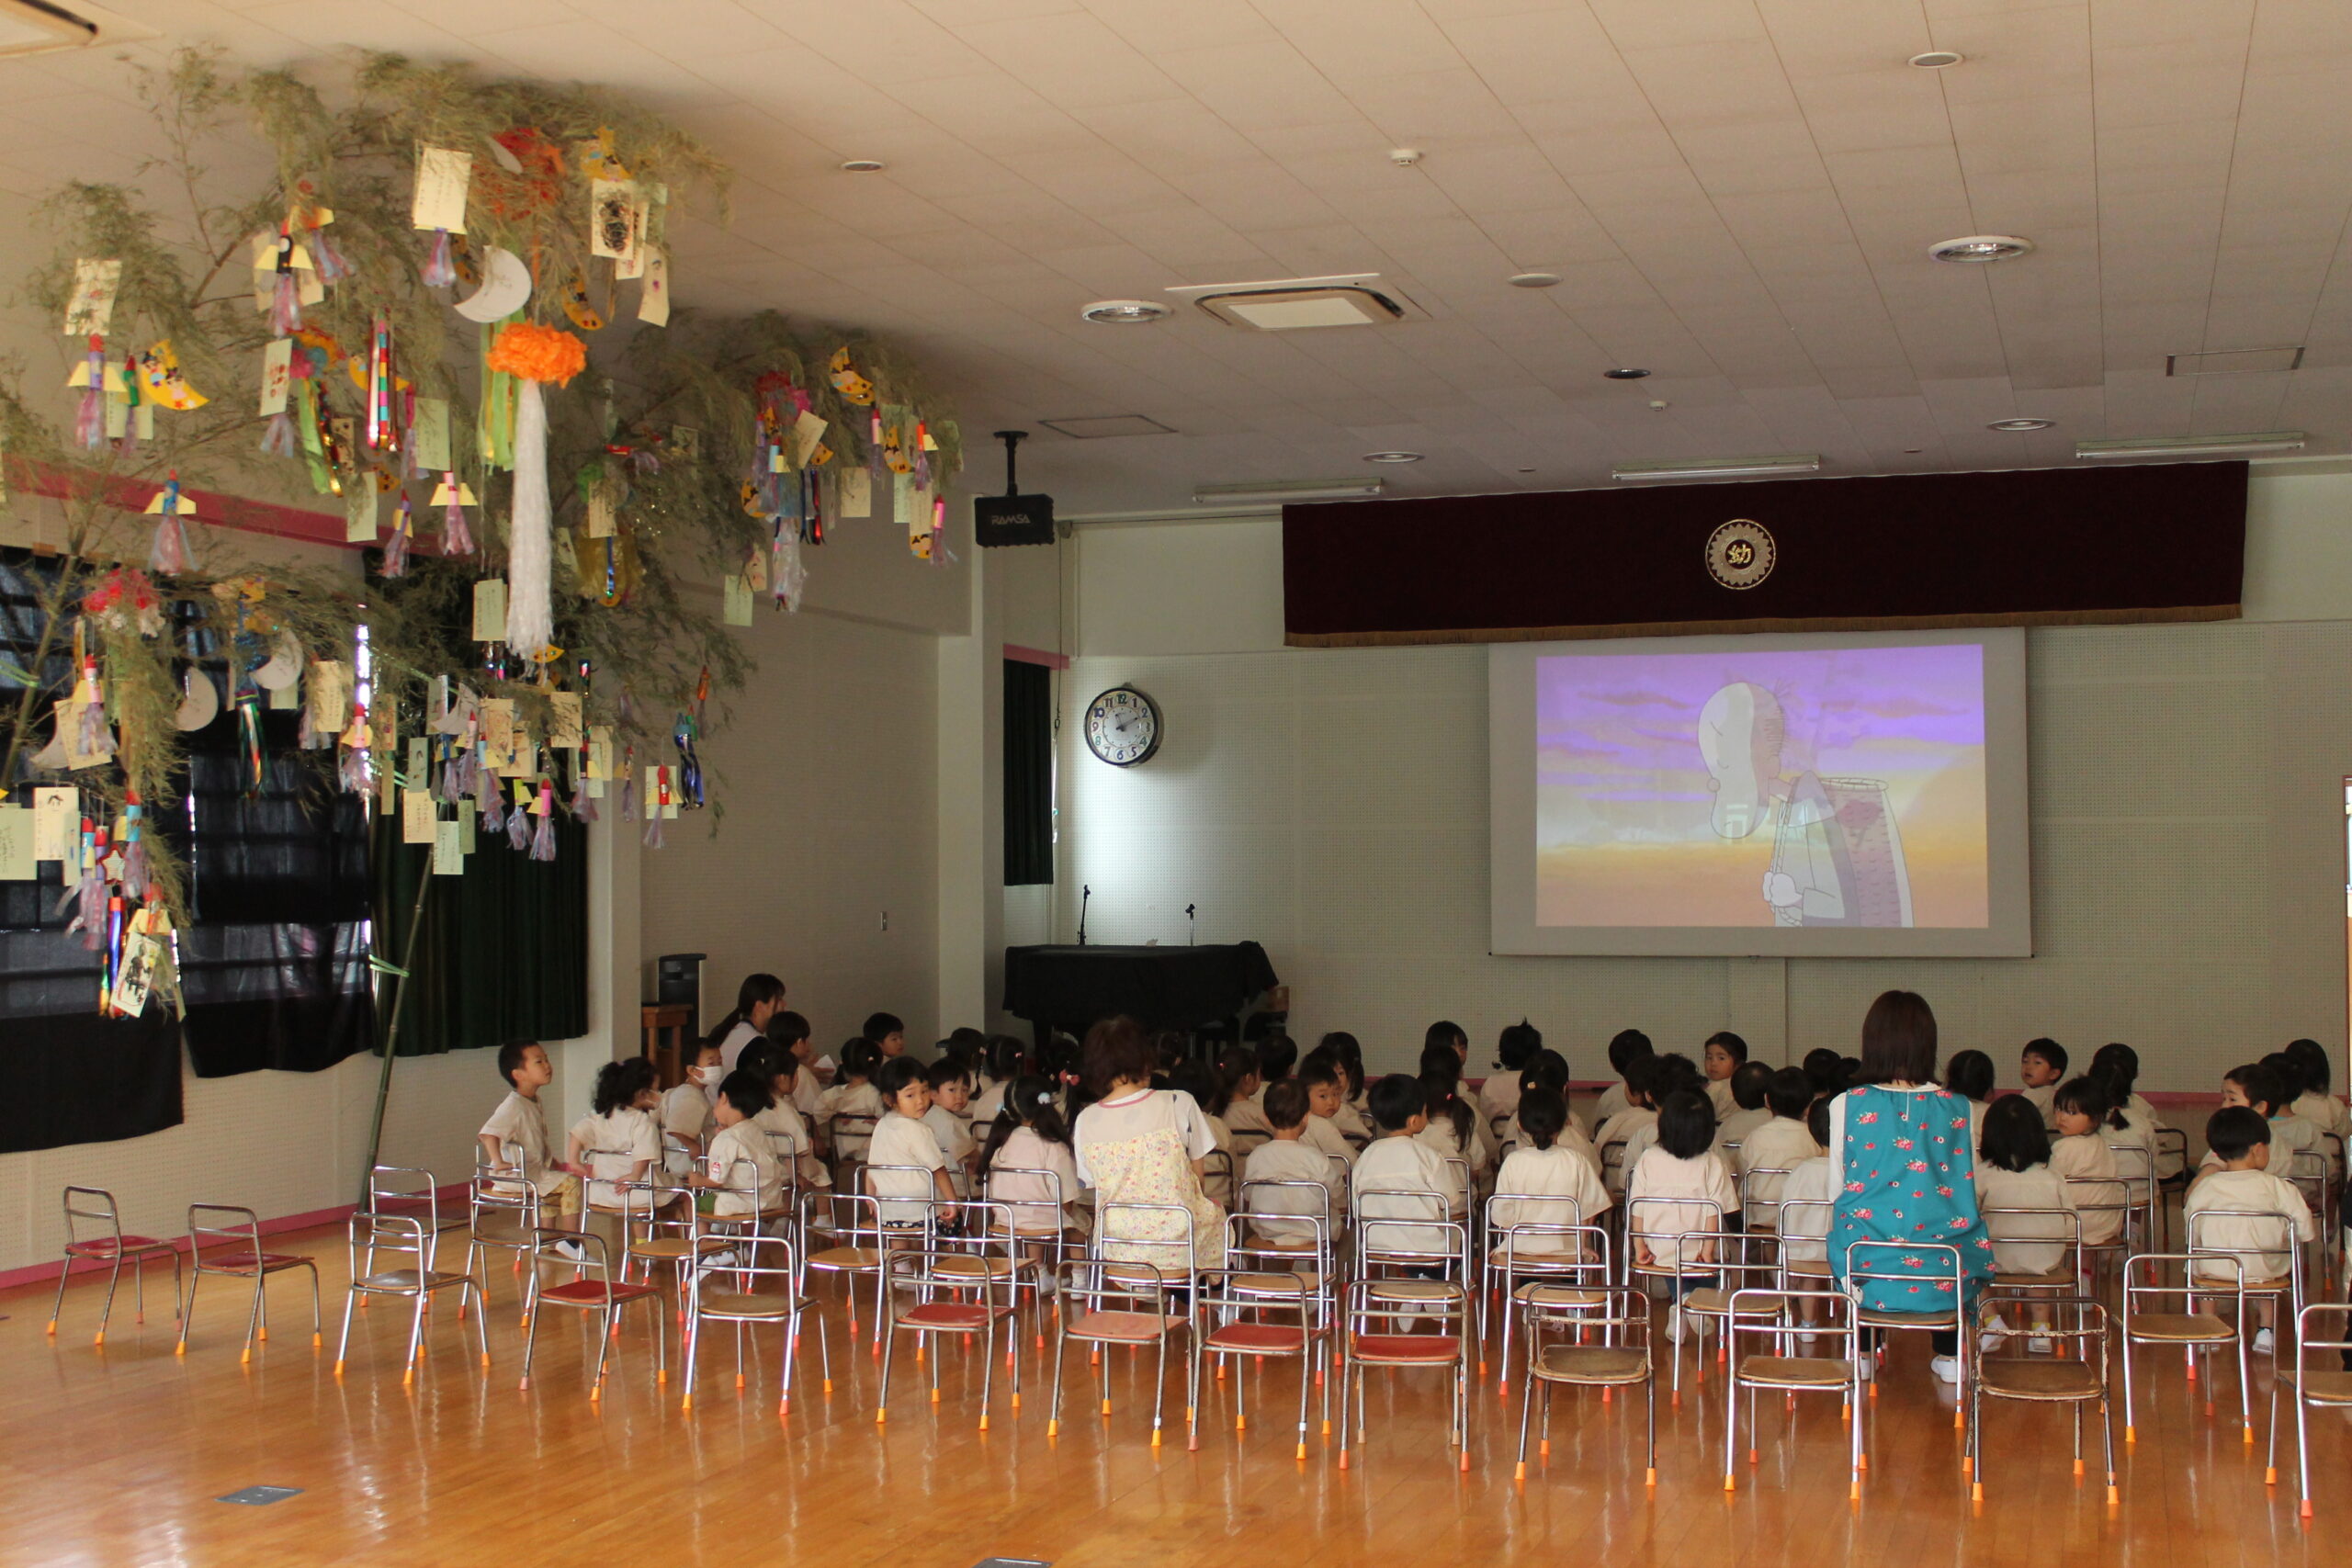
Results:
538 354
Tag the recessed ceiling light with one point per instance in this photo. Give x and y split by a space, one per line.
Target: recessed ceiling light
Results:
1392 457
1527 470
1625 373
862 167
1535 279
1980 248
2016 424
1124 312
1936 60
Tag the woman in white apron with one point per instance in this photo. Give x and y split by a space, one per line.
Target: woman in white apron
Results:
1136 1144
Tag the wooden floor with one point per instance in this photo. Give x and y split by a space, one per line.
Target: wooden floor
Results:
115 1457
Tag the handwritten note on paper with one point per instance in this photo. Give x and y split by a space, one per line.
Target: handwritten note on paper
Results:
432 448
469 828
443 175
855 496
564 725
57 822
603 508
600 752
654 300
806 431
448 849
737 610
17 859
276 374
329 690
417 816
497 731
91 308
489 614
359 514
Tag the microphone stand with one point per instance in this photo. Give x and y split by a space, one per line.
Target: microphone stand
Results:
1192 936
1085 893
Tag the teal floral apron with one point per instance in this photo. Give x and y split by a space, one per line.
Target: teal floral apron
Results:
1909 1176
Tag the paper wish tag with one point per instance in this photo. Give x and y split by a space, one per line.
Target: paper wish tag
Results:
737 611
600 752
431 428
419 762
418 817
442 175
359 506
448 848
329 690
564 720
653 298
276 374
490 621
57 822
91 308
17 862
615 219
806 431
602 509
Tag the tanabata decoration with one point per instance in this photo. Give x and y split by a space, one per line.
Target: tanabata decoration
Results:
170 555
533 356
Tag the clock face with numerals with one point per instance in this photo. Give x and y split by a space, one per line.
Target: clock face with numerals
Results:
1123 727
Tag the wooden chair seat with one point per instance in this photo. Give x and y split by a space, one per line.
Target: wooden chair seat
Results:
2179 1327
1406 1350
671 1248
595 1293
2319 1388
735 1306
1123 1328
1414 1290
408 1281
853 1258
2065 1381
249 1263
1594 1366
1538 1293
1795 1371
1260 1338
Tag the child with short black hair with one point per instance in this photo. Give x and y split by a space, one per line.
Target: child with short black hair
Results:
951 1091
519 1128
888 1032
1672 1073
1676 1188
2041 1067
1642 1076
685 1110
1808 1196
903 1145
789 1032
1347 1054
1541 1170
1514 1048
2316 1105
1724 1054
1750 1083
2257 1085
1245 1111
1625 1047
1970 1076
1824 1069
1399 1177
743 1098
2084 1116
1782 1143
779 1122
1277 1054
2013 1171
1199 1080
1287 1156
2240 1180
1319 1074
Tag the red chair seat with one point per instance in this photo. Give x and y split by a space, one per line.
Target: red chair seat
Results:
246 1262
1140 1328
944 1315
1264 1338
105 1247
594 1292
1430 1349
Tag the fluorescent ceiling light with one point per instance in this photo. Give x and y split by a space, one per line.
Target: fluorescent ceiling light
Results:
1283 491
2194 446
1772 465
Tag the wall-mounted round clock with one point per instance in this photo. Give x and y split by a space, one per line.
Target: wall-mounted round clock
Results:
1123 727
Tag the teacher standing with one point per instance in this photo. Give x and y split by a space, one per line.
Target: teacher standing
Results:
1900 1145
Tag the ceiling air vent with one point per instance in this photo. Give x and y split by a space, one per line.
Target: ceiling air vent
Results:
1291 304
2233 361
1096 427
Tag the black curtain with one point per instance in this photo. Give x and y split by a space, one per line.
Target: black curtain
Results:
502 952
1028 773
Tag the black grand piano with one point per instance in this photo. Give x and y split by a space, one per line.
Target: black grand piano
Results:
1162 987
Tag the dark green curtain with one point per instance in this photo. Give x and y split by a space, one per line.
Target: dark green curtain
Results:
503 951
1028 773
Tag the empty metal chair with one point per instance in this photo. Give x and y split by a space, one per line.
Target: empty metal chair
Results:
1775 1316
2073 1380
392 1255
1136 1301
762 1286
841 1234
1257 1315
2314 1388
2189 1330
1380 1327
502 1208
600 1286
94 1236
233 1237
1563 1268
415 1192
963 1292
1561 1350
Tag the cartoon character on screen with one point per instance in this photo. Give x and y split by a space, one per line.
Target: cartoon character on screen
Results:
1837 848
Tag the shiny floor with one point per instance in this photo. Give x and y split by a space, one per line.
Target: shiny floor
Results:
115 1456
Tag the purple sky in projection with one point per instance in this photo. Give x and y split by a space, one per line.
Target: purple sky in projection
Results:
1622 728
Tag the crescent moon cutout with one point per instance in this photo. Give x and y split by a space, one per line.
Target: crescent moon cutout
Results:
283 667
505 286
199 700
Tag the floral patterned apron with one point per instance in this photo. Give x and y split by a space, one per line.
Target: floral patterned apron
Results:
1153 1168
1909 1176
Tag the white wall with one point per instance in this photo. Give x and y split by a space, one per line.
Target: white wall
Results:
2188 822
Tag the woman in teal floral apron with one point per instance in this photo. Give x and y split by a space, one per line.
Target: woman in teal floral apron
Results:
1906 1174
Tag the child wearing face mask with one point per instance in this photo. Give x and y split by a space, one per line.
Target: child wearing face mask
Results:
686 1111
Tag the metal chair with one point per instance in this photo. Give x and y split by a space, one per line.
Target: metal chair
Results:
1792 1233
1378 1320
503 1208
1908 1259
237 1255
95 1206
852 1223
392 1255
1769 1313
414 1192
2060 1230
1100 1298
937 1276
2287 1288
2075 1381
2188 1330
1244 1299
607 1293
1700 1219
1741 1260
1532 1254
761 1258
849 1136
2330 1389
2094 1254
1619 1314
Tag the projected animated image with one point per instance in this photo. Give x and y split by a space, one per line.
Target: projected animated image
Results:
1825 788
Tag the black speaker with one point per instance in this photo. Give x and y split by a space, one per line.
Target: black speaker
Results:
1012 518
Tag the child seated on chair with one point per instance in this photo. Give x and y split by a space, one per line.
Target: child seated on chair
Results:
520 1123
1724 1055
1783 1143
854 1097
1237 1073
1548 1069
2041 1067
789 1032
787 1134
1319 1074
1675 1190
1029 1160
685 1110
1669 1073
1498 1096
1625 1047
1639 1115
1540 1169
744 1096
1400 1177
2013 1171
888 1034
1969 1075
1808 1203
2291 1137
2085 1117
616 1140
903 1139
2240 1178
1287 1157
951 1095
1748 1083
1453 1129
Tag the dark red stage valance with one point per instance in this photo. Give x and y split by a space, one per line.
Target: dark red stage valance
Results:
2056 547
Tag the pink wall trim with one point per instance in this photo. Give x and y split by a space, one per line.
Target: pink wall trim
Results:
46 1273
1021 655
